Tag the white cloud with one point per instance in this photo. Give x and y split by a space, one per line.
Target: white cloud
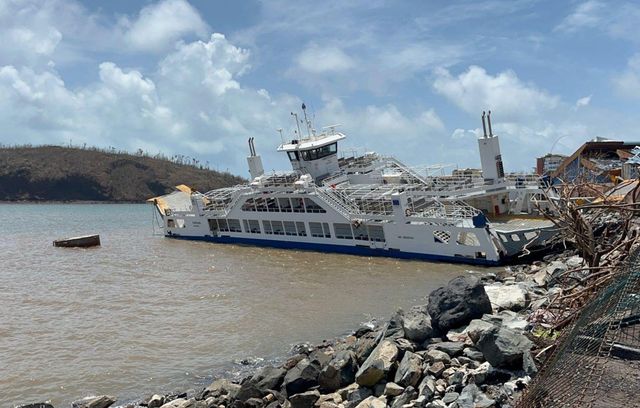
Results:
618 20
475 90
582 102
319 60
586 15
160 25
627 83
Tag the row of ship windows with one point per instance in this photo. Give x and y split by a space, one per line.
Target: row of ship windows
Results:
297 228
282 204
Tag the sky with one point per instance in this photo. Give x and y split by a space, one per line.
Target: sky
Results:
408 79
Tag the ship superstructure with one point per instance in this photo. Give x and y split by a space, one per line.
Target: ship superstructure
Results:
368 204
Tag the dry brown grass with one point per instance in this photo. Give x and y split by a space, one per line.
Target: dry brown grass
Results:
61 174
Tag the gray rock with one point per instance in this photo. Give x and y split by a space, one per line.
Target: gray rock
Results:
528 364
417 326
437 355
436 369
462 300
504 347
268 378
248 390
473 354
407 396
103 401
436 404
373 402
452 348
185 403
392 389
358 395
410 370
509 297
378 364
393 328
36 405
339 372
305 399
366 344
427 387
155 401
221 387
301 377
253 403
450 397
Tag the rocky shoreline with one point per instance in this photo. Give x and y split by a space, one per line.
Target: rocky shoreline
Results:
471 345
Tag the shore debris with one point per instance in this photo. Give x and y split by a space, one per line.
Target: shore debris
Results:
84 241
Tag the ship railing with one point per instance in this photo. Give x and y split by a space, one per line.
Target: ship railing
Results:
335 179
340 204
406 169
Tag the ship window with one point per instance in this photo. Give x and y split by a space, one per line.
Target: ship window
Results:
327 232
278 228
213 225
290 228
343 231
441 237
261 205
267 227
254 227
272 205
315 228
376 233
530 235
319 153
180 223
293 156
297 204
234 225
360 232
285 204
515 237
246 225
249 205
171 223
224 227
301 230
312 207
468 239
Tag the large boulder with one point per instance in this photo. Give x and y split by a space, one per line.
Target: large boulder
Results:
378 365
454 305
302 377
373 402
102 401
339 372
366 344
417 326
504 347
407 396
304 399
265 379
509 297
410 370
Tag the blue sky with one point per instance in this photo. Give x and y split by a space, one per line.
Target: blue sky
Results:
405 78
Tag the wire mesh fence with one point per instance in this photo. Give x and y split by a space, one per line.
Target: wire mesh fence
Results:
597 362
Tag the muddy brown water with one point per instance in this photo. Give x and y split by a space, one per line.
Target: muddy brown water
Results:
144 314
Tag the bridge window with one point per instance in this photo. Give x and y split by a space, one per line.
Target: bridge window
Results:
285 204
293 156
319 153
249 205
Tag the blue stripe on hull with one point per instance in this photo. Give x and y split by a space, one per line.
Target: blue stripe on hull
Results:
342 249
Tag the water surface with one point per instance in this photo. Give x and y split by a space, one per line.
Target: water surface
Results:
144 314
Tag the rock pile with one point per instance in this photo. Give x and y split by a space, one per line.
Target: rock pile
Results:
469 346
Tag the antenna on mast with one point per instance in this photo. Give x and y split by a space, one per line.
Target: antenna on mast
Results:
489 122
279 130
306 121
295 115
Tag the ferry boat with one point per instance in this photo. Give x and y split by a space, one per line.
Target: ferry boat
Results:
368 204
